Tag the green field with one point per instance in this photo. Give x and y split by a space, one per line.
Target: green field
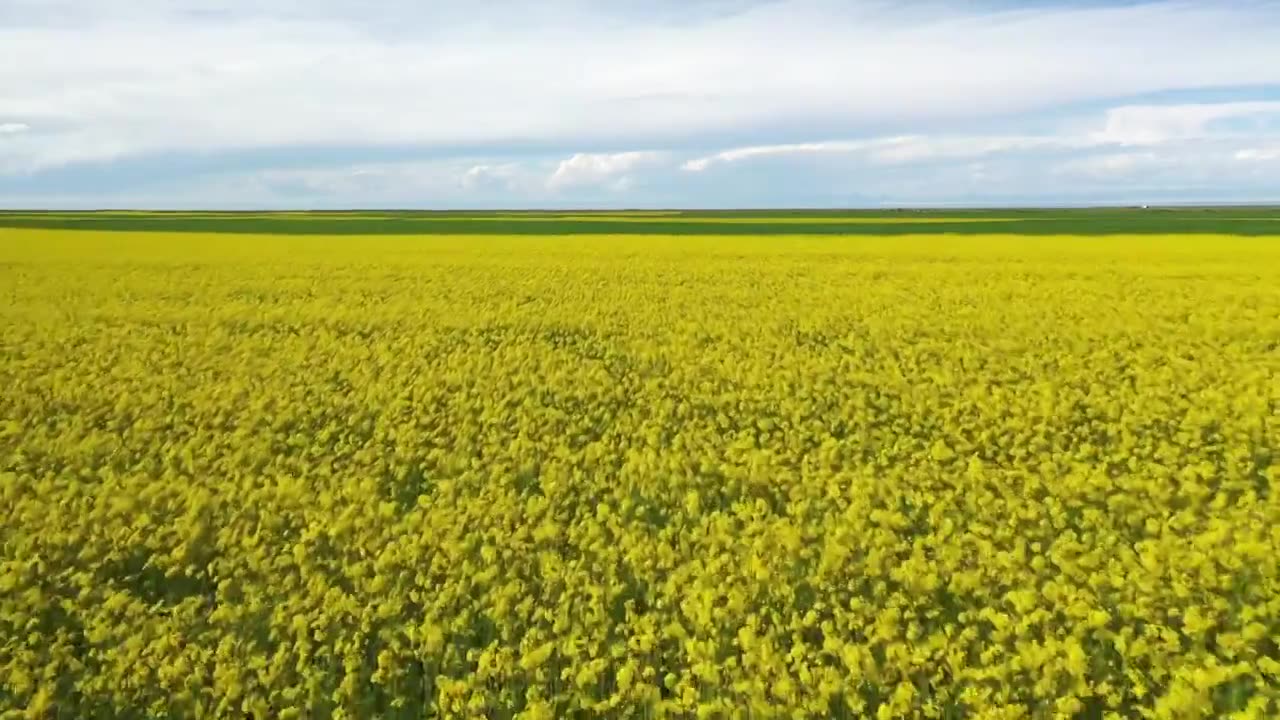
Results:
1251 221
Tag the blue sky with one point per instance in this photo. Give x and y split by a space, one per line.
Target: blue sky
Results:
636 103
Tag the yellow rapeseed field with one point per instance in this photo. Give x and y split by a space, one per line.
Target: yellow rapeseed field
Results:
701 477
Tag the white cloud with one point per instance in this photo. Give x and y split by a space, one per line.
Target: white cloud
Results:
1200 162
505 175
13 128
896 150
293 73
758 151
1098 152
1109 165
600 168
1152 124
27 152
396 182
922 149
1258 154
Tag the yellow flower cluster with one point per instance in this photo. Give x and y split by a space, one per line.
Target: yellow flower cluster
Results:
787 477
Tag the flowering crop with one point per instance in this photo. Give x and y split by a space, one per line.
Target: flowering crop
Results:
941 477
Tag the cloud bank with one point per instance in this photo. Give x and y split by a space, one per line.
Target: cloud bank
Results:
598 168
567 100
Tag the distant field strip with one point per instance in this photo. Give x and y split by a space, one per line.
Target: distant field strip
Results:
1079 223
785 220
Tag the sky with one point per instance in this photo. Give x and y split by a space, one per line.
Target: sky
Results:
636 103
